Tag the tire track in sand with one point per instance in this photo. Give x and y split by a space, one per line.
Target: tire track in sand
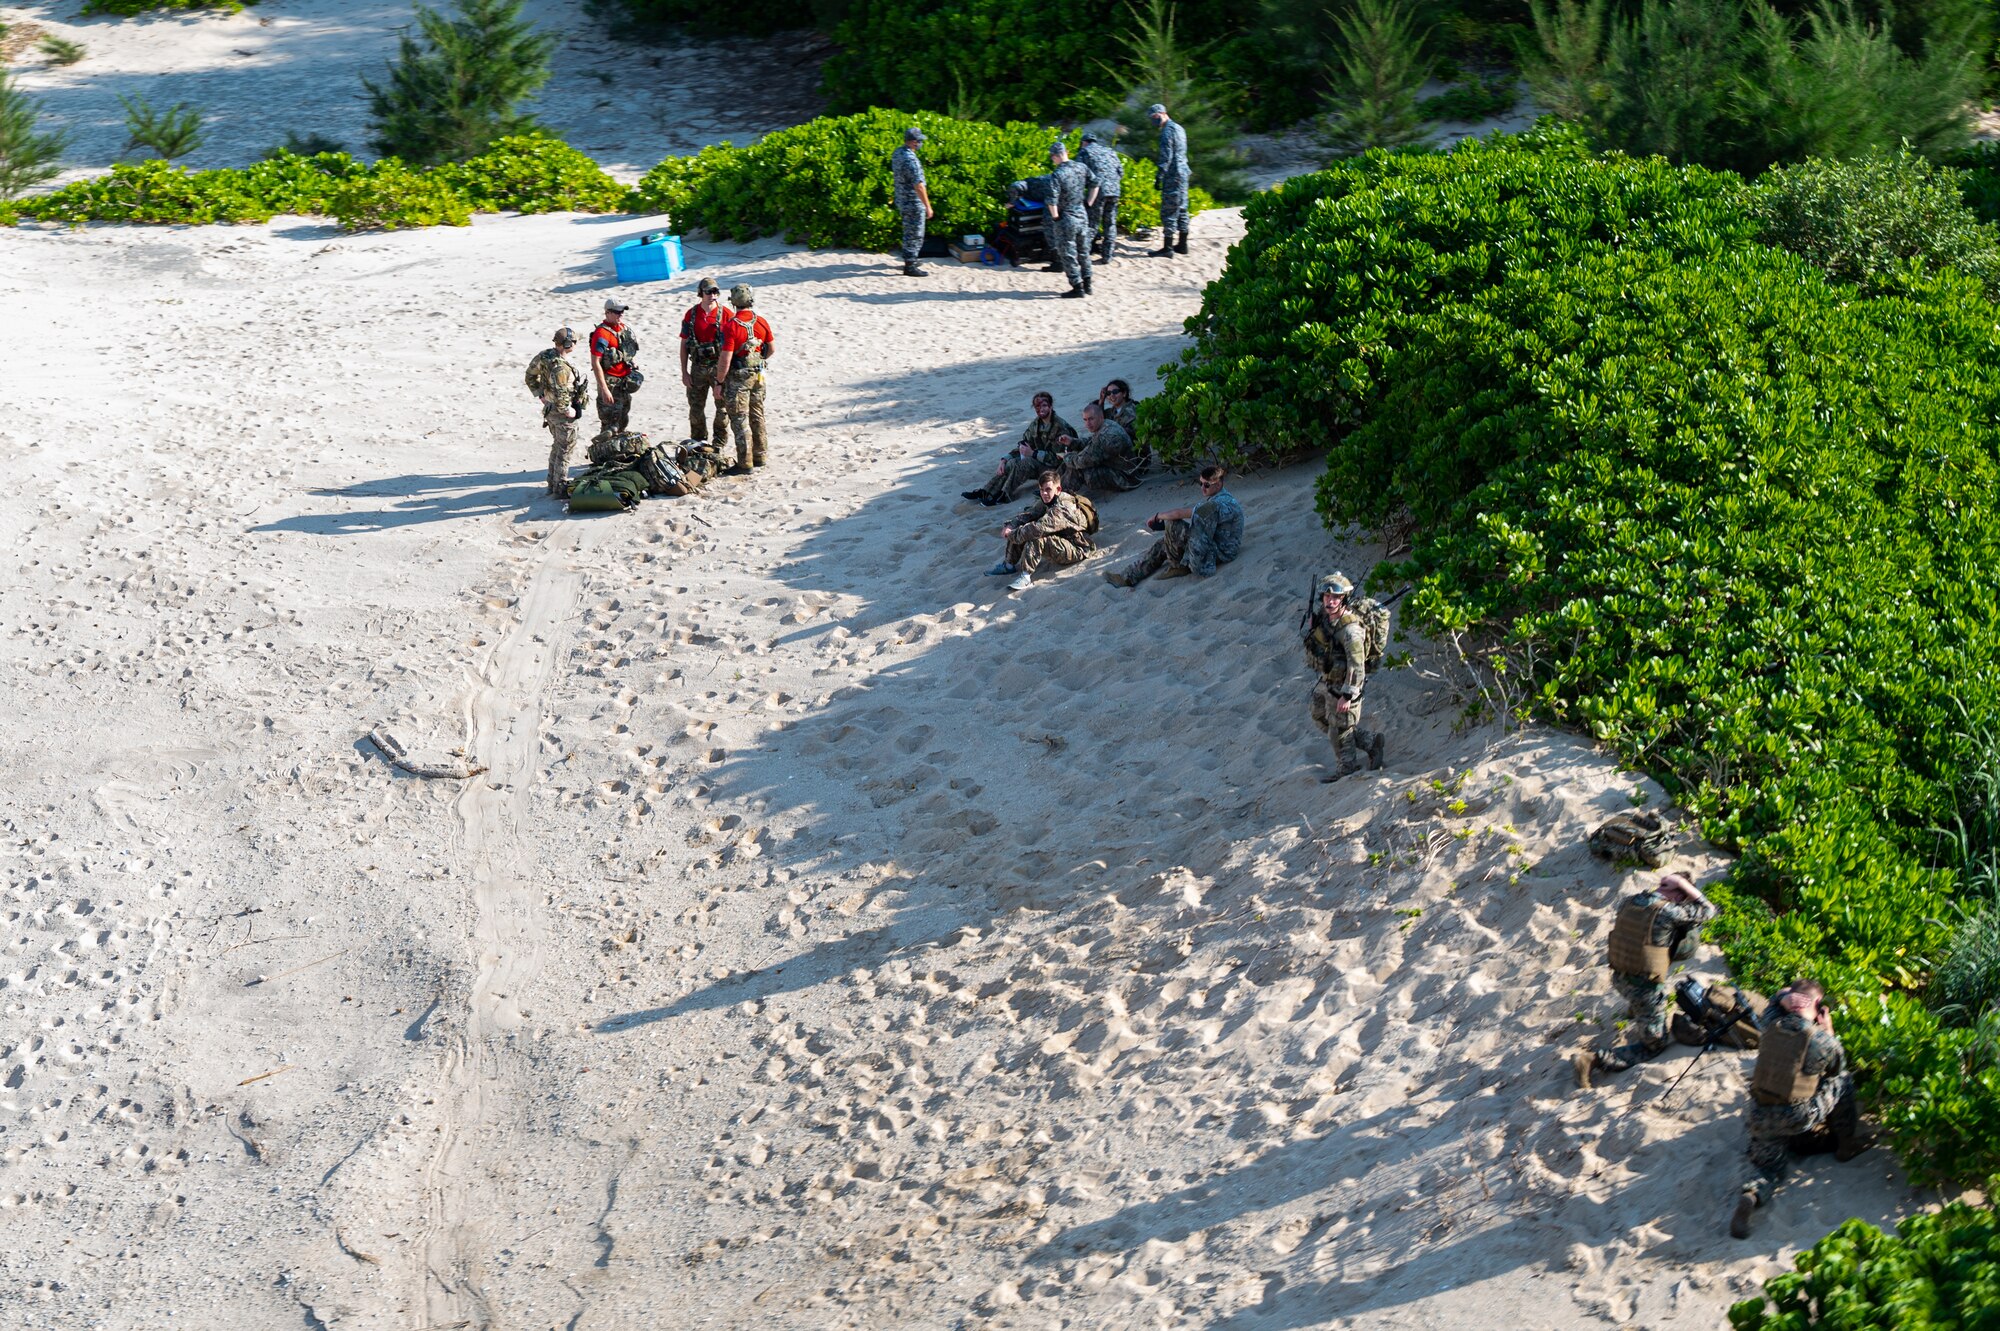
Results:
504 715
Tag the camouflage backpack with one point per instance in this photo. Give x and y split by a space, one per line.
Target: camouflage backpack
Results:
663 474
700 460
619 447
1631 836
1374 617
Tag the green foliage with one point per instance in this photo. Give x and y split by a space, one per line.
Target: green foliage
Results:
304 145
394 196
1874 220
1380 67
827 182
174 132
1979 178
1722 83
151 191
452 95
28 154
1158 67
1938 1271
1738 521
127 8
533 173
60 50
1479 98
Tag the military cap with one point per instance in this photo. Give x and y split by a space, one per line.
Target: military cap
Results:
706 285
1335 584
740 297
565 336
1091 136
913 135
1058 147
1156 110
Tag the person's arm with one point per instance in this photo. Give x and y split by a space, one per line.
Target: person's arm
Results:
924 193
1170 515
687 376
722 364
1354 646
597 373
770 340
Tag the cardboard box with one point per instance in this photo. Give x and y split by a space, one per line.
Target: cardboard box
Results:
965 253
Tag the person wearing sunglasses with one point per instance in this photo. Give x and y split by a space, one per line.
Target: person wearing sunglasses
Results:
1197 540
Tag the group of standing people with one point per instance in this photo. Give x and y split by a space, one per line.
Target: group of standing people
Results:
722 358
1084 194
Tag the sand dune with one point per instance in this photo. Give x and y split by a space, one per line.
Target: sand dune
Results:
834 939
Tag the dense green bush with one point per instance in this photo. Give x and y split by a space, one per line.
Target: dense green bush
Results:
1867 221
393 196
1979 178
533 173
827 182
1736 520
1940 1272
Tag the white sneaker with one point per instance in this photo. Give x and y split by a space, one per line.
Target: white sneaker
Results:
1020 584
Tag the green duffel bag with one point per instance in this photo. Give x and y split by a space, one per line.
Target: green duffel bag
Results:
607 490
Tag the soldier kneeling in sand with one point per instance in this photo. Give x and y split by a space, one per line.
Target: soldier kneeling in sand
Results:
1802 1096
1654 928
1054 533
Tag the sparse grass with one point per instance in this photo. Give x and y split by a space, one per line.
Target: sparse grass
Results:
60 50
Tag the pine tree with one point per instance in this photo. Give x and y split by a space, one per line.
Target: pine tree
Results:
1159 69
450 97
1378 71
27 155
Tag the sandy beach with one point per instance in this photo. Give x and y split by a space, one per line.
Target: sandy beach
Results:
832 939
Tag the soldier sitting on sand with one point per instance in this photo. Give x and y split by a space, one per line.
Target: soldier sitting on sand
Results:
1103 459
1035 453
1055 532
1197 540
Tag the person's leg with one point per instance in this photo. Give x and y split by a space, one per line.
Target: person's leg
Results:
1142 568
735 402
1110 207
758 453
562 439
699 394
1181 217
621 398
1648 1006
1066 255
1080 242
1169 214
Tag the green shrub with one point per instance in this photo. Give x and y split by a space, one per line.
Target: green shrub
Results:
827 182
533 173
151 191
174 132
1939 1271
1156 65
60 50
1479 98
310 144
127 8
1737 521
1979 178
1869 220
28 154
393 196
451 96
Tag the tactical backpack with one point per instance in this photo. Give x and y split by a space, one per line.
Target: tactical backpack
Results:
1374 617
1725 1001
621 446
700 461
1089 507
663 474
1632 836
610 489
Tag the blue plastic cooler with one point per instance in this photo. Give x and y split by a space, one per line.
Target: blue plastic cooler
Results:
648 258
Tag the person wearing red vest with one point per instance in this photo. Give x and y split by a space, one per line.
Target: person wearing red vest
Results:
701 346
739 379
613 349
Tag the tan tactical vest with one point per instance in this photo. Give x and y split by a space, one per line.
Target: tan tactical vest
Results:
1633 951
1780 1077
752 357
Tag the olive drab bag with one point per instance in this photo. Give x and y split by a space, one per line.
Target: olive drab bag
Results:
663 473
1374 617
1633 835
609 489
622 446
1089 507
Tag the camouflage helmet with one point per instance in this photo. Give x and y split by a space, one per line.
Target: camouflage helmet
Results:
1334 584
565 336
740 297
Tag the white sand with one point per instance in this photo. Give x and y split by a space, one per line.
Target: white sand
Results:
835 940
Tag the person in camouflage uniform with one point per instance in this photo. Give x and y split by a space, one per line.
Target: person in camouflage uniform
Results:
1170 173
1069 217
1802 1096
614 349
558 386
1653 929
1036 453
739 372
1336 645
1196 540
1116 399
913 198
1107 177
701 344
1053 533
1103 459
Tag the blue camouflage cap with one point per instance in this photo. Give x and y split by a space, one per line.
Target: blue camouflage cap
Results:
913 135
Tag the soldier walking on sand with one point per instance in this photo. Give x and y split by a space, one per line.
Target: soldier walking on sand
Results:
1653 929
613 349
701 346
1336 642
1170 173
1107 177
913 198
739 378
558 386
1070 193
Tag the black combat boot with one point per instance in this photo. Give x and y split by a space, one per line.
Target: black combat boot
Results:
1739 1223
910 269
1166 250
1180 246
1375 751
1074 293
